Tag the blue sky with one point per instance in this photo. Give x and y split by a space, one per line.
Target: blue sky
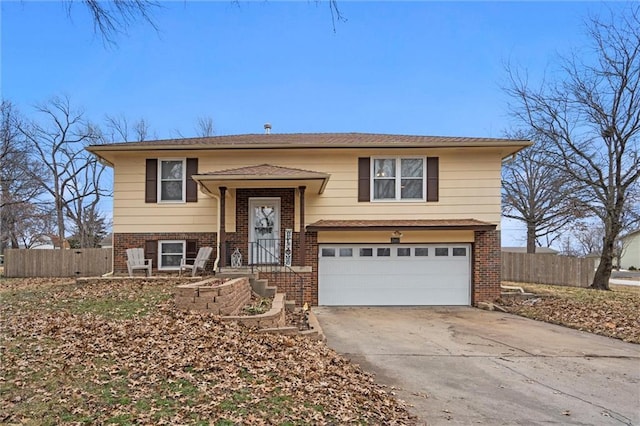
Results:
432 68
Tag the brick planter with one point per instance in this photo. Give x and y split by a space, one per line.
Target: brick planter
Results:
275 317
210 296
228 298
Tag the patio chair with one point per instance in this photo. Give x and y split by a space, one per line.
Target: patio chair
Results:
198 263
136 260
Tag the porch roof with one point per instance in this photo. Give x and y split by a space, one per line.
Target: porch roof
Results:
262 176
391 224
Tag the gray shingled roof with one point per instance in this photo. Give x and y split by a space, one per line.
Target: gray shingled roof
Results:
266 170
292 140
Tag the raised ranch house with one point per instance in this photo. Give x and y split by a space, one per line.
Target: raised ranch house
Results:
362 219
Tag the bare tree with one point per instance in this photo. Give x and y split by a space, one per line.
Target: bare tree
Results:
592 115
90 229
589 237
29 224
204 127
71 176
111 18
114 17
537 194
121 130
18 189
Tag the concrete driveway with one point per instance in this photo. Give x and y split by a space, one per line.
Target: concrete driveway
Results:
467 366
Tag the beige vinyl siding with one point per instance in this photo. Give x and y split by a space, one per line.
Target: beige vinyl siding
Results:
384 237
132 214
469 188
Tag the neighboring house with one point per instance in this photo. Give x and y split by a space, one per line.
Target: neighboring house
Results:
631 252
373 219
539 250
50 242
107 242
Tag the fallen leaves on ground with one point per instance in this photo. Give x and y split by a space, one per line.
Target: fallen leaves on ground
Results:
614 313
68 358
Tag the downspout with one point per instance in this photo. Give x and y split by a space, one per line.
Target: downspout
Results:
217 197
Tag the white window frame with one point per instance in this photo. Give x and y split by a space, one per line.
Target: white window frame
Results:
184 181
398 180
161 266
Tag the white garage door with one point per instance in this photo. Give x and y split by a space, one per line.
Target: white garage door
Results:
384 274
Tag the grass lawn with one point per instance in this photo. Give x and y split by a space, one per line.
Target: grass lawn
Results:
122 354
614 313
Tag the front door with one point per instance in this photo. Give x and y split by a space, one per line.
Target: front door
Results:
264 230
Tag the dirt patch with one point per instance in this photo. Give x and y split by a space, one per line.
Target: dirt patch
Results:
614 313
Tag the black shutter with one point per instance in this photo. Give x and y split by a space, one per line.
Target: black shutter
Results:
192 249
364 179
432 178
151 252
192 185
151 186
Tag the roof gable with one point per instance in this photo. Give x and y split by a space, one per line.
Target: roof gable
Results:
267 170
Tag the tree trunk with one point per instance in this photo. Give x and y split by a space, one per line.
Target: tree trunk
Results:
603 273
60 221
531 238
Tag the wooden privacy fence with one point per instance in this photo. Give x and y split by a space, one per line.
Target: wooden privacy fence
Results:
547 269
91 262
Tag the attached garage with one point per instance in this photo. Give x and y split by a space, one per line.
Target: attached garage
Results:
394 274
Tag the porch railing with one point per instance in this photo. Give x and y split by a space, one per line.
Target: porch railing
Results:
264 256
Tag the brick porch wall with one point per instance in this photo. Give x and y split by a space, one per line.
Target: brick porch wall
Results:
123 241
309 292
487 267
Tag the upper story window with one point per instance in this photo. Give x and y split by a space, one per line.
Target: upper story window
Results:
398 179
170 180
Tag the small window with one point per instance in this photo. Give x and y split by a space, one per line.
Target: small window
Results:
346 252
366 252
170 254
459 251
422 251
384 252
328 252
442 251
404 252
171 178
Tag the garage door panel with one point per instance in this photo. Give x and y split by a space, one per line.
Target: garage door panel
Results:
394 279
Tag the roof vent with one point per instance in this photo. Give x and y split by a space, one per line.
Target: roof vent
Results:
267 128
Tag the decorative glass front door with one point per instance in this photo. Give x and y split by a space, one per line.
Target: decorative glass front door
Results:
264 230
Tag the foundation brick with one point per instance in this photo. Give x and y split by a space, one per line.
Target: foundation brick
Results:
123 241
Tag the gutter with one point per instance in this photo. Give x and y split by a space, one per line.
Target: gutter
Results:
217 197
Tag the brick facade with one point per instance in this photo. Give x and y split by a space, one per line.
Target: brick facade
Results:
240 238
486 255
487 267
123 241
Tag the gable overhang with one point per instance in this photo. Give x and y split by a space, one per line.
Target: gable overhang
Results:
401 225
212 184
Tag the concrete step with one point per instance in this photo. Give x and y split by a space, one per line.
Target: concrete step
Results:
261 286
235 274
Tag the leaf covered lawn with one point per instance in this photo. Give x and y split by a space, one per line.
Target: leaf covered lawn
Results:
122 354
614 313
